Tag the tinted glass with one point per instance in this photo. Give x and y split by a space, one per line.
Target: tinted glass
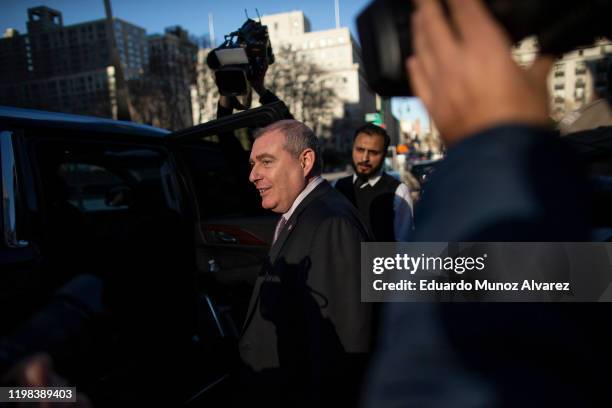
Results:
219 169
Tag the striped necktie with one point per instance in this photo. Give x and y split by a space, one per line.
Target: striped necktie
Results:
279 227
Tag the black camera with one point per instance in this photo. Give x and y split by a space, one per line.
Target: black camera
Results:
244 55
560 26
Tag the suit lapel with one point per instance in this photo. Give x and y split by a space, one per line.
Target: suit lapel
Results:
275 250
278 245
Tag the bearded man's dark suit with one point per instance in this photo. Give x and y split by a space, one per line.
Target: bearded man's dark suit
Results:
307 334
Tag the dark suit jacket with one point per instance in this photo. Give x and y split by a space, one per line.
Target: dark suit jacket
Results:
510 183
307 332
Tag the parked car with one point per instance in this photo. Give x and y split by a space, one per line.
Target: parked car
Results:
167 222
422 170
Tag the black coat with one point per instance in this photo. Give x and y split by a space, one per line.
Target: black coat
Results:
307 333
510 183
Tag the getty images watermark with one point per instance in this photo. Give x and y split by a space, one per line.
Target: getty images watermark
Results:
493 271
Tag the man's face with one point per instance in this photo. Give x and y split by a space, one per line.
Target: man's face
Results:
368 154
277 174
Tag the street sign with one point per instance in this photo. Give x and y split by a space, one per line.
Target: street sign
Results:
373 118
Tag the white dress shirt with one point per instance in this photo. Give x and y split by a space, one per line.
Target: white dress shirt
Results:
309 187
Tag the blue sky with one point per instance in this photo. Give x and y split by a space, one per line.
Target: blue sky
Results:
155 15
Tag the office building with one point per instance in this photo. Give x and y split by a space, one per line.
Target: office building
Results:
68 68
578 78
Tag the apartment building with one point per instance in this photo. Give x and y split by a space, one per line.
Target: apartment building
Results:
577 79
68 68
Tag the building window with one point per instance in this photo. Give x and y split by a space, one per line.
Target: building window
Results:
580 68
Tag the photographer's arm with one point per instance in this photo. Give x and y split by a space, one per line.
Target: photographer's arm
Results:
505 178
464 74
265 95
225 106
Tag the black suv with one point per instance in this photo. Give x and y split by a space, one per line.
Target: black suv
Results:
166 225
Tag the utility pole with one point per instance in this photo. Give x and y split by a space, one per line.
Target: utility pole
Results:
122 94
337 13
211 30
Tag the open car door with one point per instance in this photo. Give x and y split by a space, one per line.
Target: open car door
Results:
232 232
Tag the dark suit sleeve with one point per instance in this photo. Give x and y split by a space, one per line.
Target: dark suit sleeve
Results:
341 339
336 258
506 183
223 111
416 364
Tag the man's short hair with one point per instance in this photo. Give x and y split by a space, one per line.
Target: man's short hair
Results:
298 137
373 130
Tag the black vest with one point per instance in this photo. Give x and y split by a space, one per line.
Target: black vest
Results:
374 203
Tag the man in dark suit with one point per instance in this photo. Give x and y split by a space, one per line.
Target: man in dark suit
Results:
506 178
384 202
307 334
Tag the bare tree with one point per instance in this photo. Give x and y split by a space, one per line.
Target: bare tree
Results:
205 95
162 96
150 101
304 88
299 83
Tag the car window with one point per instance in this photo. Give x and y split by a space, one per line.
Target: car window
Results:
239 138
93 188
2 241
100 198
219 169
92 177
12 194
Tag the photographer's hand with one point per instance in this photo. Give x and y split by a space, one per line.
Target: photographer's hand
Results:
38 371
257 82
464 74
225 101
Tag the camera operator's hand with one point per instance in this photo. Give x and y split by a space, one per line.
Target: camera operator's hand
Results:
257 81
464 74
226 102
37 371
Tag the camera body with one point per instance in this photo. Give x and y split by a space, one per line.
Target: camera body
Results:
244 55
385 32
